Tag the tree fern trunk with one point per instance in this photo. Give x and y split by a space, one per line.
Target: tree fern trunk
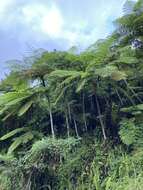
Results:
83 107
50 110
67 124
76 130
69 112
51 119
51 123
120 99
100 118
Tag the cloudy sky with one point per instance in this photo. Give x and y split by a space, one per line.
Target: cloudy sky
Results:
53 24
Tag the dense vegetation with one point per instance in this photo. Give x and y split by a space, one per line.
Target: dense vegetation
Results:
74 121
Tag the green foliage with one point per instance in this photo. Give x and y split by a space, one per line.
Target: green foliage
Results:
25 108
12 133
112 72
133 109
128 132
22 139
50 146
131 132
10 173
96 95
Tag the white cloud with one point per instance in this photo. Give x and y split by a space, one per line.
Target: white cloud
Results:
49 22
43 20
52 23
4 6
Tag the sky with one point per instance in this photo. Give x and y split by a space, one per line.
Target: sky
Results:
27 25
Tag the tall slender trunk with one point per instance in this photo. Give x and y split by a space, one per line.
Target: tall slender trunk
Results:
67 124
75 126
100 118
83 108
50 110
108 113
121 101
91 103
69 112
51 119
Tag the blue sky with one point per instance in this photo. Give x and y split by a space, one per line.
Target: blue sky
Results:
53 24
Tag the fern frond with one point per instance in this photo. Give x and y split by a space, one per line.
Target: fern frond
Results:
14 132
81 85
25 108
23 139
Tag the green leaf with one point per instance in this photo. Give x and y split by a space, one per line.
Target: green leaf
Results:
65 73
127 60
5 108
110 71
131 109
118 75
7 116
14 132
81 85
25 138
25 108
9 97
16 101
